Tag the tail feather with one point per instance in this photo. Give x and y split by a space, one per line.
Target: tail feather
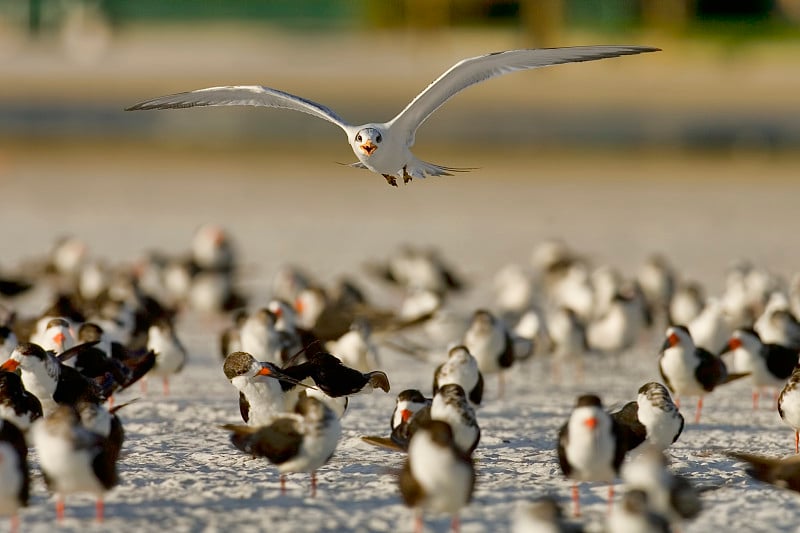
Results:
421 169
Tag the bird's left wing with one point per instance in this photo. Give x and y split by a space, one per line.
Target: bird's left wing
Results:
243 95
477 69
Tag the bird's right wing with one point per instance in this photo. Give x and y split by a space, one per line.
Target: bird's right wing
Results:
242 95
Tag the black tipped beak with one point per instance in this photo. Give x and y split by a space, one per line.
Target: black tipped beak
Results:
277 374
666 345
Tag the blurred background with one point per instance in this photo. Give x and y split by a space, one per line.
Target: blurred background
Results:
691 151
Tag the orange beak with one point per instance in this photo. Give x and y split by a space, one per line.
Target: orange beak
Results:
264 372
298 305
59 338
734 344
10 366
590 423
405 414
368 147
673 339
279 312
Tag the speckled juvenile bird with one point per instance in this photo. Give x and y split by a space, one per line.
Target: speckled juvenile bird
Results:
460 368
450 405
653 417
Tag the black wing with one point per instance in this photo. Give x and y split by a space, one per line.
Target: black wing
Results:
711 371
563 439
476 394
507 357
781 360
631 430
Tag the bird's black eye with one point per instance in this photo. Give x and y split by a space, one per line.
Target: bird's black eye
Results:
358 137
379 138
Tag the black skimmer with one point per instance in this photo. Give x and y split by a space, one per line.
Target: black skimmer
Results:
419 269
56 337
260 396
356 348
212 249
16 404
72 458
688 370
49 380
653 417
409 403
14 473
260 337
770 365
687 302
436 475
710 329
789 405
460 368
670 495
450 405
568 341
543 515
302 441
778 325
170 354
591 446
618 329
514 290
490 342
104 422
781 472
633 514
657 278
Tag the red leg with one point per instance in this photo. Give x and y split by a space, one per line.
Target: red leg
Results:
699 410
15 523
677 402
166 386
314 484
60 508
755 400
111 401
610 497
455 524
283 484
418 523
143 385
576 500
99 508
797 442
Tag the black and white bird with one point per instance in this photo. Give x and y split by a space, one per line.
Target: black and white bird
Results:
770 365
384 148
789 405
16 404
653 417
569 344
689 370
409 402
489 341
436 475
73 459
14 473
302 441
668 494
336 379
450 405
261 395
633 514
460 368
170 353
49 380
590 446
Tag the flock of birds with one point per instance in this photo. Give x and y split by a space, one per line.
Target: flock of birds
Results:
296 361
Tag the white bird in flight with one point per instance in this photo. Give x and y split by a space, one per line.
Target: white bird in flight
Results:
384 148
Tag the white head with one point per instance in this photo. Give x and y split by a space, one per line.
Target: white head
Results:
677 336
367 141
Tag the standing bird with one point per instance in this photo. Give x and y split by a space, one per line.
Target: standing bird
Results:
568 335
634 515
15 476
73 459
49 380
541 516
689 370
384 148
408 404
789 405
260 396
590 446
302 441
488 340
653 417
460 368
769 364
436 476
16 404
450 405
170 353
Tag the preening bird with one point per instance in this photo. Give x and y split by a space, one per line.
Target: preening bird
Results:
384 148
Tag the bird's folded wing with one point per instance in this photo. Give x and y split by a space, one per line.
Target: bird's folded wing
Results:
242 95
477 69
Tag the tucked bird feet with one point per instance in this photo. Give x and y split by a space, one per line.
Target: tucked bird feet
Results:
391 180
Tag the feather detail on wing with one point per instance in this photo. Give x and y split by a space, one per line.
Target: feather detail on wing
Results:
242 95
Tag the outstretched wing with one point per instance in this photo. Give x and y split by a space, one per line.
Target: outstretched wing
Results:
477 69
253 95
